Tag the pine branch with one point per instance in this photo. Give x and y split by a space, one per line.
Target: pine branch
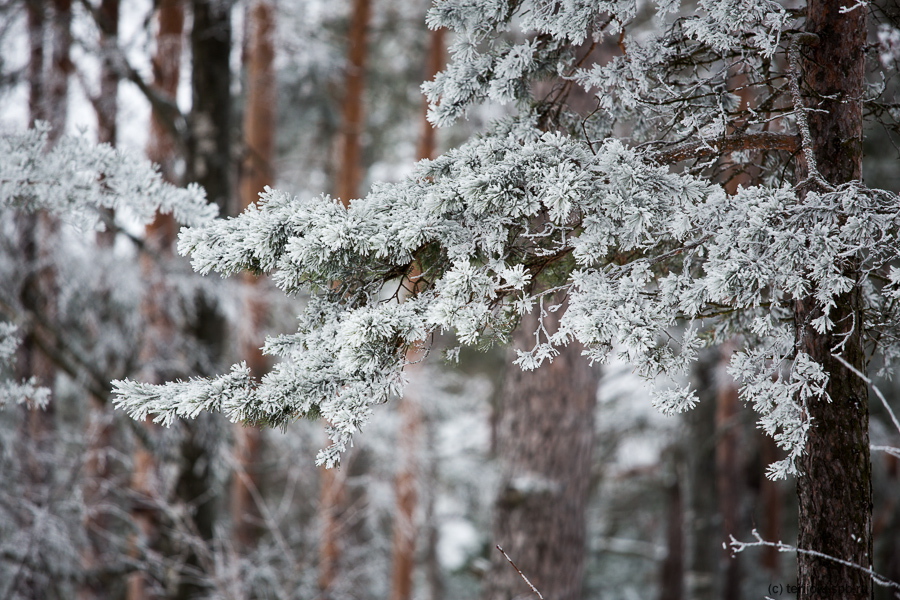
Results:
765 140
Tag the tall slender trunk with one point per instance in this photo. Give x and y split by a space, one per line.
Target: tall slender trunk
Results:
771 501
333 493
108 101
835 485
209 138
160 330
48 22
36 15
729 470
256 172
405 528
60 66
101 432
208 161
545 438
702 523
349 173
671 576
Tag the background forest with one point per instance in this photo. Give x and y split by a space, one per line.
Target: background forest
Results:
324 97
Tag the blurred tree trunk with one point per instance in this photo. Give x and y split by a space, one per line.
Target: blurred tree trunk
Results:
333 495
771 501
100 473
256 172
545 440
108 101
160 329
36 15
350 168
48 27
886 527
405 528
209 160
702 525
671 576
729 471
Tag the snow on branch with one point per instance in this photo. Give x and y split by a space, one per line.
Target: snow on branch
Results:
880 580
652 264
26 392
496 223
74 177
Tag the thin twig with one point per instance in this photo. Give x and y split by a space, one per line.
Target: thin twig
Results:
521 574
880 580
875 389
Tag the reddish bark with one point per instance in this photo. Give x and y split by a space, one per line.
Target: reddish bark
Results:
256 173
835 485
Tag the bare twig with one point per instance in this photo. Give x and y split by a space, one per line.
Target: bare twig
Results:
521 574
875 389
877 579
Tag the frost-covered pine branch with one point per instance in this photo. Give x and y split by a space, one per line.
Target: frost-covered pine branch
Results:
654 262
12 392
74 178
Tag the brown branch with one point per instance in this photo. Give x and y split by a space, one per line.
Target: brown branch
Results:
521 574
765 140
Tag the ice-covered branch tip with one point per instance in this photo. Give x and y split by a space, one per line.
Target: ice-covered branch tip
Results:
737 547
74 177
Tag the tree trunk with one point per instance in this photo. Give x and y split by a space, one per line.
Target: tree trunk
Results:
671 576
209 137
835 485
405 530
703 526
545 438
729 470
108 101
256 173
160 329
36 16
349 173
405 527
60 67
333 493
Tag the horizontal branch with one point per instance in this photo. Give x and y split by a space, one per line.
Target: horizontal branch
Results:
765 140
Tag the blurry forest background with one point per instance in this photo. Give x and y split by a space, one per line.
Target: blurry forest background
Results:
314 96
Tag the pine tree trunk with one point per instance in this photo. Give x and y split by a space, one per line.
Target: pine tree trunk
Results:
101 436
405 528
349 172
209 138
835 487
108 101
333 494
36 16
256 172
545 438
159 330
703 524
671 576
771 499
729 471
